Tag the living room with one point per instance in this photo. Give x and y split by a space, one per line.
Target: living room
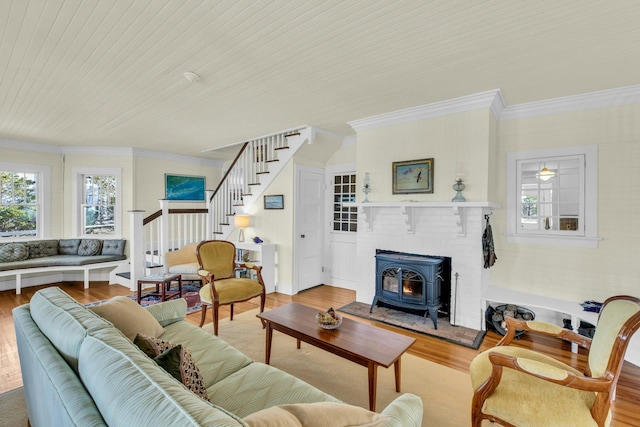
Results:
474 131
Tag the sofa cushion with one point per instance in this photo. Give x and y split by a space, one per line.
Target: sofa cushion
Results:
88 247
113 247
318 414
129 317
68 246
258 386
64 321
11 252
138 392
215 358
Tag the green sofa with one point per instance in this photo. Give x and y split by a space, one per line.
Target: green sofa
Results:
78 369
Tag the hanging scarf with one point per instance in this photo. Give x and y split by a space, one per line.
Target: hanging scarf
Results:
487 246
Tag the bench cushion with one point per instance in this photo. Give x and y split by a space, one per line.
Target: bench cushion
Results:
68 246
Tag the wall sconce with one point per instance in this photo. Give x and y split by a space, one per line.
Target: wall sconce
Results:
241 222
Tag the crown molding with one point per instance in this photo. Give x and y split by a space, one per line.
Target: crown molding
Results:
566 104
491 99
107 151
30 146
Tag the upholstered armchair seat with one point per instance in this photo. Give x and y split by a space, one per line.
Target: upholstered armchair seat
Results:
521 396
231 290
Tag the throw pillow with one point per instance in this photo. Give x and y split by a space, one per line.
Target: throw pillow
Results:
37 249
68 246
318 414
179 362
113 247
128 316
89 247
152 347
11 252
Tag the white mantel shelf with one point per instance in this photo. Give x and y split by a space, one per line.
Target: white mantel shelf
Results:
366 210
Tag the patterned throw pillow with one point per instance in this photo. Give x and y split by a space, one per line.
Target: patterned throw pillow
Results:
37 249
11 252
89 247
176 360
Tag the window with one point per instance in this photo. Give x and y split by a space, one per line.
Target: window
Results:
23 201
552 196
344 190
99 205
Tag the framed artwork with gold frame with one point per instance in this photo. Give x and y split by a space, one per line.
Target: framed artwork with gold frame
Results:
413 176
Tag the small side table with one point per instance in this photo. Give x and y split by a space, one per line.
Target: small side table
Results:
163 286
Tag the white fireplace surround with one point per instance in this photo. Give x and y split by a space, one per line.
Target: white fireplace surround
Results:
430 228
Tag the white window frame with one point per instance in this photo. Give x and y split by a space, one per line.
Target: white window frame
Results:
77 200
589 209
43 221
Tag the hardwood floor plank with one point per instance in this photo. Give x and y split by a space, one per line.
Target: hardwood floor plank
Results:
625 408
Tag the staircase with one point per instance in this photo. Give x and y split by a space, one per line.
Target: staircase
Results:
257 164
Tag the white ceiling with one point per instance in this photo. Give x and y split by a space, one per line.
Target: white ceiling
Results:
110 72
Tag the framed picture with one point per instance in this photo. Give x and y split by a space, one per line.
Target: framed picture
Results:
274 202
414 176
184 188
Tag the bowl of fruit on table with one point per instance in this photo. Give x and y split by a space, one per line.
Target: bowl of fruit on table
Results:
329 319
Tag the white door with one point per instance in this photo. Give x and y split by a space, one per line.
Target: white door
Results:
309 232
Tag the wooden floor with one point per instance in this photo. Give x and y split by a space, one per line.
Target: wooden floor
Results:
626 410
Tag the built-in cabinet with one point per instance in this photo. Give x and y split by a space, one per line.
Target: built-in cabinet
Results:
263 254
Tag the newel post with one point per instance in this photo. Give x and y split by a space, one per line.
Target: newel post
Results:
136 248
164 229
209 225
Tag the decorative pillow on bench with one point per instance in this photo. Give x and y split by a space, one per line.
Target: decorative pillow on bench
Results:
68 246
11 252
113 247
89 247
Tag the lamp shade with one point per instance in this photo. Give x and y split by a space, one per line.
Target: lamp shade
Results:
241 221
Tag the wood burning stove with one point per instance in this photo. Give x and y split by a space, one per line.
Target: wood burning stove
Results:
409 281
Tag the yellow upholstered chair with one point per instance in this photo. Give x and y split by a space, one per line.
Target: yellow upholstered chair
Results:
220 286
514 386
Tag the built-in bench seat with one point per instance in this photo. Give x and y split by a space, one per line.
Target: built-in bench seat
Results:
52 255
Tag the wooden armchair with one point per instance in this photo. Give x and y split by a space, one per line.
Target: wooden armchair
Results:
221 287
514 386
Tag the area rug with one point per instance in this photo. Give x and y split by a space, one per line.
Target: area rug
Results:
445 392
446 331
13 409
190 292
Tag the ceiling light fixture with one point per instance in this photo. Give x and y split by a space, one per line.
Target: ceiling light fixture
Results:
191 76
545 173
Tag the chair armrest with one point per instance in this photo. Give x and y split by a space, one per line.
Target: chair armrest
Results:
547 372
542 328
250 266
406 410
169 312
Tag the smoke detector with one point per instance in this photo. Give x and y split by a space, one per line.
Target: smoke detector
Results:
191 76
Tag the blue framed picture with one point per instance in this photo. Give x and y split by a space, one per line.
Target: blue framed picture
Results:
275 201
184 188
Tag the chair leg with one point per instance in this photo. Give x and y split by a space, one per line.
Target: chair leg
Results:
231 309
262 301
204 314
215 319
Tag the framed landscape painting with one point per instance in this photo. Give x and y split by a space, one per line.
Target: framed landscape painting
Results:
184 188
274 202
413 176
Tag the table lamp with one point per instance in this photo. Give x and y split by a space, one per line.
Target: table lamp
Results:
241 221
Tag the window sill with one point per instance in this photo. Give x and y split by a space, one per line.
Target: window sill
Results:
574 241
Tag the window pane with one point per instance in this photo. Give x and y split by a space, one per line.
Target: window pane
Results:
18 221
18 204
344 218
99 208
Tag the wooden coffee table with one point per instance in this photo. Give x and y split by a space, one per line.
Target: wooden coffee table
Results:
359 342
163 286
